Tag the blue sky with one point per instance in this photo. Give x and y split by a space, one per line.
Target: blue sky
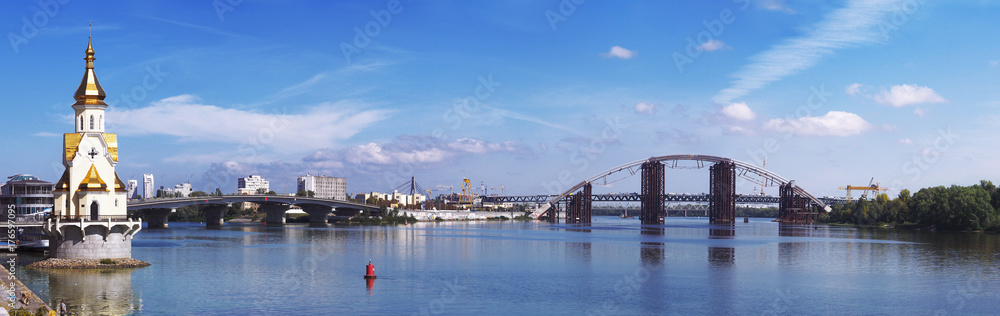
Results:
512 93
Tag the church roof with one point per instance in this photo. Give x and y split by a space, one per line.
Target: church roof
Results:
90 91
92 181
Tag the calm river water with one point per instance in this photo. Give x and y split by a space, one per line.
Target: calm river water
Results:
615 266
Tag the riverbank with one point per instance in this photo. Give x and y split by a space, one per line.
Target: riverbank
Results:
56 263
15 290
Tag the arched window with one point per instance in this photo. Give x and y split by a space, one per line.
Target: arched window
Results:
91 122
100 122
81 123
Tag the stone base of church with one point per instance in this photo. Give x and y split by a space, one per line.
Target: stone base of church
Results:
91 239
93 247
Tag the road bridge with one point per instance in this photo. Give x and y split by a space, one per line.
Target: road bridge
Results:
156 210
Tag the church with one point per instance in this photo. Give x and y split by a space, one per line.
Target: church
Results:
89 215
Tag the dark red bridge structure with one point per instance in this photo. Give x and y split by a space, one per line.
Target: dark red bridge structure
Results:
794 203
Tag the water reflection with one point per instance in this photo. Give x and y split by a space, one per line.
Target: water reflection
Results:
721 256
651 252
93 292
653 285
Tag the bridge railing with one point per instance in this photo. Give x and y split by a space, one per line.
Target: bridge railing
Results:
102 218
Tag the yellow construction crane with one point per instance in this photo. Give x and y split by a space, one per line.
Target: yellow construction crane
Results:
465 197
872 186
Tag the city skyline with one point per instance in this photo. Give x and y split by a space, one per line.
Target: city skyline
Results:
513 95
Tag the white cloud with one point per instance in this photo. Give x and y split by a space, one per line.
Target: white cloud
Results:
855 24
853 89
645 108
995 63
903 95
776 5
188 120
714 45
739 111
905 141
834 123
619 52
47 134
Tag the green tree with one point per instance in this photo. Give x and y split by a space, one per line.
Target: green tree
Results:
198 194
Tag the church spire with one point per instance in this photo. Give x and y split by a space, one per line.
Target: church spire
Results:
90 91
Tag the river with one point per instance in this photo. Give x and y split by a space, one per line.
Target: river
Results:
614 266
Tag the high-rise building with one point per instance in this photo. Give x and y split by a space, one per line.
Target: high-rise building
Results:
148 187
130 188
179 190
324 187
251 185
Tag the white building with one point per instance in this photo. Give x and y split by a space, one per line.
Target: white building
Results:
130 188
183 189
251 184
324 187
400 198
148 187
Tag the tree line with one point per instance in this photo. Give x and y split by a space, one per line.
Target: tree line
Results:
955 208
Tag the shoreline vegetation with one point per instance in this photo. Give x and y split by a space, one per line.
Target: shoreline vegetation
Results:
89 264
974 208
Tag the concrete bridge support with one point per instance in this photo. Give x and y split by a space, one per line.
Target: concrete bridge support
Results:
722 192
318 214
275 213
652 194
157 217
214 214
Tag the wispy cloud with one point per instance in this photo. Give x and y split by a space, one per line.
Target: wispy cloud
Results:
619 52
645 108
714 45
46 134
739 111
903 95
834 123
853 89
185 118
850 26
206 29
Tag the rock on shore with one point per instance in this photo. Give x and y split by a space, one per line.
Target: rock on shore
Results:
56 263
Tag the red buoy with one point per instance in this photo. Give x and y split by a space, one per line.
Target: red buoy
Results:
370 273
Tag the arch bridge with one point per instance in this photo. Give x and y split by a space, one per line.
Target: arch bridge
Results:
156 211
794 203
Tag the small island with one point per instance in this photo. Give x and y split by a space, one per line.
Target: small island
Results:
58 263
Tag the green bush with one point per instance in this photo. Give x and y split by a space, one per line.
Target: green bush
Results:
107 261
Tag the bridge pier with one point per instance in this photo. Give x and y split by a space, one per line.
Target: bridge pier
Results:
275 213
214 214
318 214
579 209
157 217
722 192
652 193
793 208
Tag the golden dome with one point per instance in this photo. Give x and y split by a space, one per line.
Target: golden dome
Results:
90 91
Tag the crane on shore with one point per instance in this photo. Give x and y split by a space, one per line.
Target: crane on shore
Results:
872 186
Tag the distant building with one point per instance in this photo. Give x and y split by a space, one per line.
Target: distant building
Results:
26 194
324 187
251 184
400 198
131 189
148 187
182 190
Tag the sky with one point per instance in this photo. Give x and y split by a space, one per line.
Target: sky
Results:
527 96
